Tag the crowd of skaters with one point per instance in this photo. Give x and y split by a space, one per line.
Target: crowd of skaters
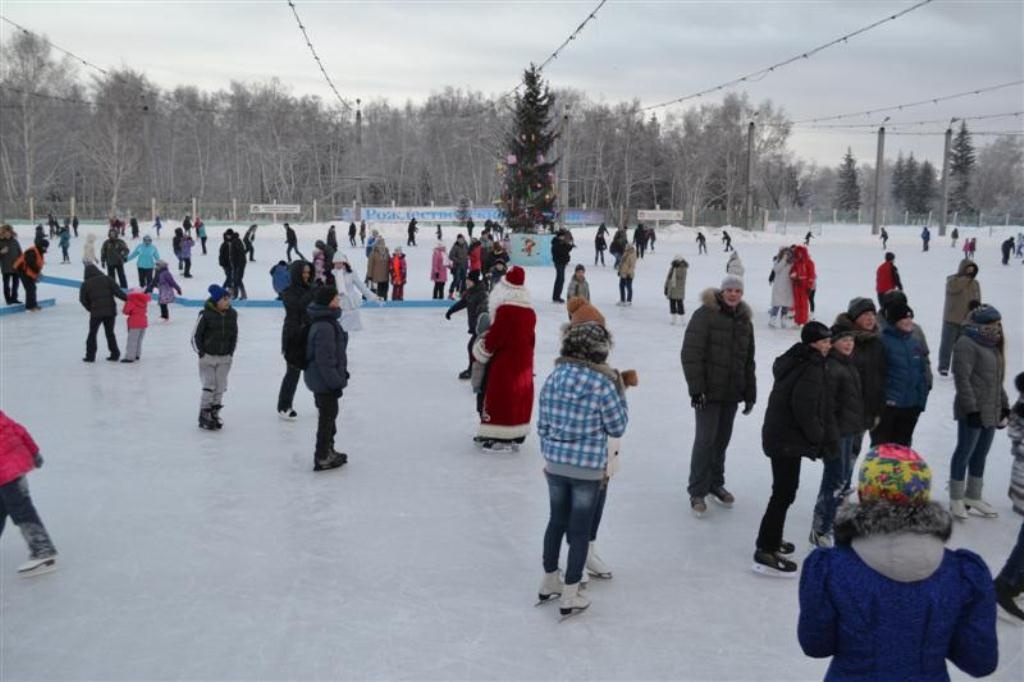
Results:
868 373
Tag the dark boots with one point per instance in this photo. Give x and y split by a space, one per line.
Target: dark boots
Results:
332 460
209 418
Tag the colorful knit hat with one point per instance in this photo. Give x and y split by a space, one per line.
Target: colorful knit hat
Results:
896 474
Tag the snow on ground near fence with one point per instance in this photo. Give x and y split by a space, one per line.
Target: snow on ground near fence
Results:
199 555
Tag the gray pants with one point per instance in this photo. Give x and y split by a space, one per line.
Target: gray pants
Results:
950 333
213 372
134 351
713 432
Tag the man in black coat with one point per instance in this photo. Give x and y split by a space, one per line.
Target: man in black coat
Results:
561 248
296 299
798 422
718 364
326 373
411 241
97 294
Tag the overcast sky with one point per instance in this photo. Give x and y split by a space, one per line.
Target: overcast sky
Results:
652 51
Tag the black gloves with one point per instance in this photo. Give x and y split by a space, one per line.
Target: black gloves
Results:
448 315
974 420
37 459
698 401
748 407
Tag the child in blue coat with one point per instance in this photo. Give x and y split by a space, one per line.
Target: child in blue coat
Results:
889 601
148 256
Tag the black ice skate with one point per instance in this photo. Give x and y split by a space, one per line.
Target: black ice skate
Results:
774 565
333 460
206 421
215 416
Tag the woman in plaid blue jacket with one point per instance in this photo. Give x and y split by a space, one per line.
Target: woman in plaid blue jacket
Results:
582 404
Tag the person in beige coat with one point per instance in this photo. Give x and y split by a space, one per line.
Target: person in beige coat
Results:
961 290
627 268
377 269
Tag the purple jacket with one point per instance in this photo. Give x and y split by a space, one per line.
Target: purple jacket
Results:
166 286
186 248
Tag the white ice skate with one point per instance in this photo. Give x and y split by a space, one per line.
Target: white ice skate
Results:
572 601
595 566
958 509
981 508
34 567
550 586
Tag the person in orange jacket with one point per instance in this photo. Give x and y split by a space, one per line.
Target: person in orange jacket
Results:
398 274
29 267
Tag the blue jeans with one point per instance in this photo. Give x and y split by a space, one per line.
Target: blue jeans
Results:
972 446
778 311
626 289
573 503
458 279
1013 572
834 478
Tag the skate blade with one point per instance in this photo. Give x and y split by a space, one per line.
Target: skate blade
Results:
550 599
567 614
770 572
724 505
977 512
40 569
600 576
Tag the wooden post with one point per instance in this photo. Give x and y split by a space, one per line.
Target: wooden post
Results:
195 207
956 217
72 207
858 215
1007 223
764 224
693 215
883 216
234 210
31 209
834 214
879 163
785 219
810 216
314 210
906 217
945 182
929 218
152 209
980 214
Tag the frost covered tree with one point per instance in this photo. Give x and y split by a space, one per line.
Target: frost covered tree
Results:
847 186
961 166
527 194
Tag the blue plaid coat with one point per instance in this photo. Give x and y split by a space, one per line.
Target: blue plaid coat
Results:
579 409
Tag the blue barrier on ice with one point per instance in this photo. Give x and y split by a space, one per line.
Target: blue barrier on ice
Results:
199 302
20 307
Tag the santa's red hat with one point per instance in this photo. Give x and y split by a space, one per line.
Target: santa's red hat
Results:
515 277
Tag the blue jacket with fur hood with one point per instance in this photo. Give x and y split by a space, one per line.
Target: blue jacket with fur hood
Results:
890 602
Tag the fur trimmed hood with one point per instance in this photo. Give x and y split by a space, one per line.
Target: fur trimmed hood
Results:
712 298
855 521
506 294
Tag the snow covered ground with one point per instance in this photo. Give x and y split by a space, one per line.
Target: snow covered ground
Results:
194 555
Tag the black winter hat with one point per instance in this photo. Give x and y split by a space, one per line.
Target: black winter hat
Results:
889 255
859 306
841 329
894 312
324 295
814 331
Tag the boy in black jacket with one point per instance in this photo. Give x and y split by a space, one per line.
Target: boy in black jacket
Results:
326 372
473 299
214 339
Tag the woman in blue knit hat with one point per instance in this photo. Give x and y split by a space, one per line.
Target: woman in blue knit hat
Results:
980 407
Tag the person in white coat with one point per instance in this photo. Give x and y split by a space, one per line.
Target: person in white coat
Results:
89 251
735 265
782 288
352 290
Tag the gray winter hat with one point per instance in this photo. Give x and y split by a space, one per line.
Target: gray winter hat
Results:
732 282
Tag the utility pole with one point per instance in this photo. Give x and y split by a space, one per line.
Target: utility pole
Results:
879 161
945 178
748 203
359 161
563 193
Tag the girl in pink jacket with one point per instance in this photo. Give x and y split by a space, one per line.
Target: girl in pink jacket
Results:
438 270
19 455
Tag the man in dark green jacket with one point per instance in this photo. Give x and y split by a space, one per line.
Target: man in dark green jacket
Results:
215 338
718 363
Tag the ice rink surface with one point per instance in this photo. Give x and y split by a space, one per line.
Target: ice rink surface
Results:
191 555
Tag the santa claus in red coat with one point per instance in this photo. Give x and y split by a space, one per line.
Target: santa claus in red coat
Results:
507 349
804 281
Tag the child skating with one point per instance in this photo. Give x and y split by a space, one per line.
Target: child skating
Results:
19 455
166 287
214 340
136 308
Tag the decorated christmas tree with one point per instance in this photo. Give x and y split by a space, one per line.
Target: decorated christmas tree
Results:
528 198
